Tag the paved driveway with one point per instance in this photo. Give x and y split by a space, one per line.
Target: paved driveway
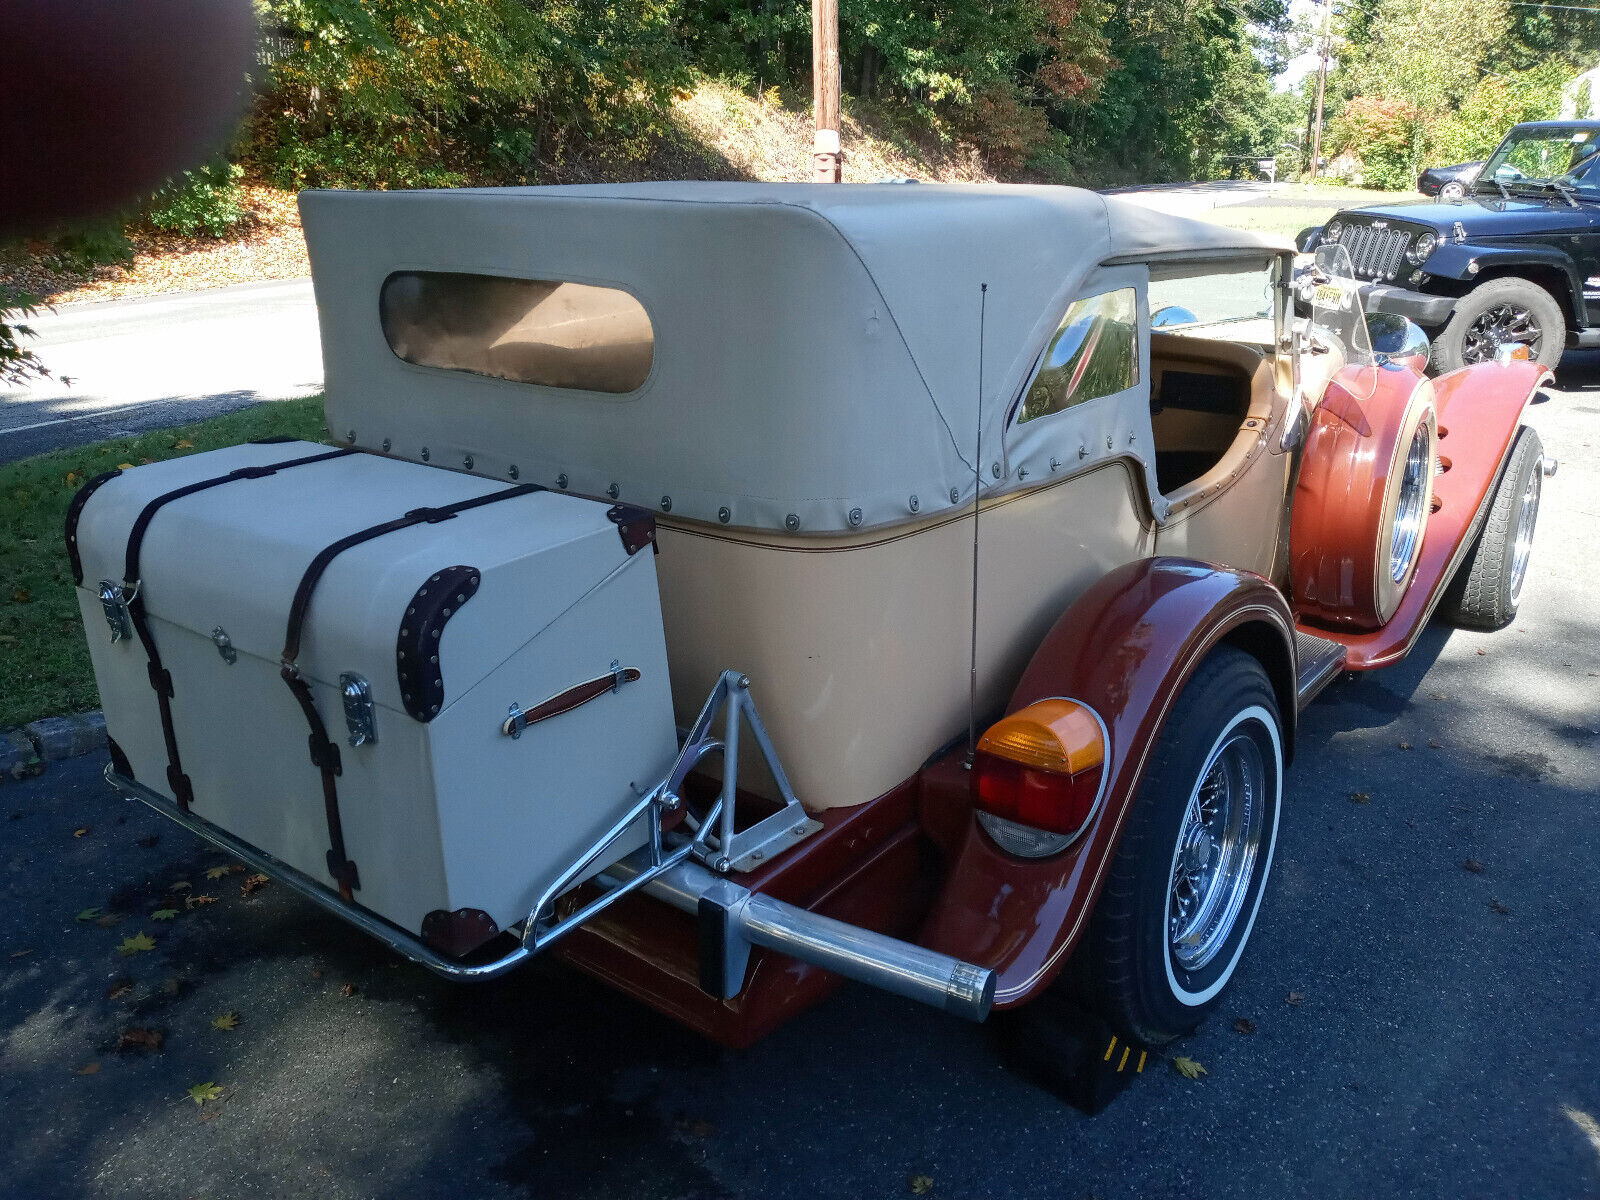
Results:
161 361
1444 1043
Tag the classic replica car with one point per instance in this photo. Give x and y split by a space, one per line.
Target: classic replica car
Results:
1449 183
738 587
1516 263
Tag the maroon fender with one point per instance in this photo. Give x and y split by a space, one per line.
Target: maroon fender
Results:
1346 496
1479 409
1125 648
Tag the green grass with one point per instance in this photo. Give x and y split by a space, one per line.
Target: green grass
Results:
44 660
1297 207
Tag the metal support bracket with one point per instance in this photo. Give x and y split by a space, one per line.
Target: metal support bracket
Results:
718 843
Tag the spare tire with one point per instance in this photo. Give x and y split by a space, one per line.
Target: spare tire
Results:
1362 501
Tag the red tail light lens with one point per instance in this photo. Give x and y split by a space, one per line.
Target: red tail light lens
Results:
1043 767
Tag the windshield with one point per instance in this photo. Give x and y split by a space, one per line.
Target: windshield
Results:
1339 319
1548 159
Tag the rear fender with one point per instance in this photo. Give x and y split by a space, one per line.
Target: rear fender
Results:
1126 648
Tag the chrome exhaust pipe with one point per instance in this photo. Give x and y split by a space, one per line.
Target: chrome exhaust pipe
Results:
734 919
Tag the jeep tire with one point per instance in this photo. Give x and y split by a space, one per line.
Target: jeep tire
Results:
1501 310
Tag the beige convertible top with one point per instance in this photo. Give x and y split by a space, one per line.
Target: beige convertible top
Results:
816 348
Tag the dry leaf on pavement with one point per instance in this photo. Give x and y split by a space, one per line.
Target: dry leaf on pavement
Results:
137 943
228 1020
201 1092
1188 1067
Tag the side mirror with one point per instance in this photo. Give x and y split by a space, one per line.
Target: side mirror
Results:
1306 240
1396 339
1172 314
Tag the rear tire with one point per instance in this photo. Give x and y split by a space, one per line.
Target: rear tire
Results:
1488 585
1501 310
1187 879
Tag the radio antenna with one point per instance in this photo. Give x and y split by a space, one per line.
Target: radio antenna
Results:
977 486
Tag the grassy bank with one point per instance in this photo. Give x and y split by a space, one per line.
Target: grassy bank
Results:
44 660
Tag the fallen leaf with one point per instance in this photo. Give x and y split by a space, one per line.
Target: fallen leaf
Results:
110 919
1405 745
1188 1067
253 885
316 972
81 831
173 986
92 1068
124 466
183 885
1244 1025
1473 865
119 988
201 1092
228 1020
148 840
21 595
87 914
210 1114
183 444
22 953
164 914
920 1185
72 478
217 872
1496 907
133 945
197 901
1483 652
140 1039
348 989
1295 998
1361 797
1433 745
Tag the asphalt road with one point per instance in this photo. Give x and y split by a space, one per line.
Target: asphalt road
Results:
160 361
1444 1044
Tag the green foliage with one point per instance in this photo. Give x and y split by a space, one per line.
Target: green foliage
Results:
419 93
204 200
1386 135
42 644
1496 104
18 364
95 243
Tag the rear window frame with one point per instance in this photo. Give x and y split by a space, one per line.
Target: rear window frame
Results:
550 389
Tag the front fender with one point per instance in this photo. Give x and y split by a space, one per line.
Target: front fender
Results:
1451 261
1126 648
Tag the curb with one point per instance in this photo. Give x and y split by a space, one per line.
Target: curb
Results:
27 751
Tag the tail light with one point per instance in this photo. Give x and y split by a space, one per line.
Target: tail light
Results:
1039 774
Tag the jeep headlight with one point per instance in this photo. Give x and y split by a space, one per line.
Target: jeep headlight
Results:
1332 230
1422 247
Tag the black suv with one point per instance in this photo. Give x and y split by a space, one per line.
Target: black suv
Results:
1517 260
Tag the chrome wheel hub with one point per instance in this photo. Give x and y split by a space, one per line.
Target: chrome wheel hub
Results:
1502 325
1408 511
1216 853
1523 546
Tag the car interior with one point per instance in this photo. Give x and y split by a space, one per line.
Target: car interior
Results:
1202 391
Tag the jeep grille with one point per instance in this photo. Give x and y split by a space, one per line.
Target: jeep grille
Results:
1376 253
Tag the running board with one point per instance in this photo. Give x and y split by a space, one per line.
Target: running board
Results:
1318 662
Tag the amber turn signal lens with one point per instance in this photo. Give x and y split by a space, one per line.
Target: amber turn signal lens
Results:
1042 767
1050 735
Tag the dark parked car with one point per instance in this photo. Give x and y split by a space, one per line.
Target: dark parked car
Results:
1449 183
1517 263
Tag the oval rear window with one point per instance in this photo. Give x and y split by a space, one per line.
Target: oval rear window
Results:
549 332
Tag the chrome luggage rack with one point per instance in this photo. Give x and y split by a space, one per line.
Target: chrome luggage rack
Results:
688 872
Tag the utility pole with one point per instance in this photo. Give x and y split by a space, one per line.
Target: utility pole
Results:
1322 84
826 156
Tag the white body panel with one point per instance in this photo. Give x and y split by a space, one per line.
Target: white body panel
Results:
437 815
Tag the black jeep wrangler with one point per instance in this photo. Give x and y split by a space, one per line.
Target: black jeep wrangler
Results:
1515 261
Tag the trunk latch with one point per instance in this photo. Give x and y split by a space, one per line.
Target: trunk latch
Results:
115 605
358 715
224 645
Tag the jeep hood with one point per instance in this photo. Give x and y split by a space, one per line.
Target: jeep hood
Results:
1487 216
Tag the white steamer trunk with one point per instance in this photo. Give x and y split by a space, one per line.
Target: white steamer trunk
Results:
440 814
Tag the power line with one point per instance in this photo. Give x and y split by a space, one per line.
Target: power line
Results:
1563 7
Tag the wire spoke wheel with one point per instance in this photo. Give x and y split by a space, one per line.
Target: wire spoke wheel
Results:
1216 855
1504 324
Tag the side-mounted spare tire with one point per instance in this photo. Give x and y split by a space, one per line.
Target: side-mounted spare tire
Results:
1362 502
